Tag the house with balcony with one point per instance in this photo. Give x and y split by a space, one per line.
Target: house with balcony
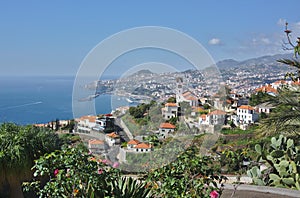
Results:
85 124
170 111
246 115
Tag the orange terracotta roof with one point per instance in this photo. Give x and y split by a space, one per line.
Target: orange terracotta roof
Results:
279 82
247 107
203 117
143 145
296 83
228 101
187 93
133 142
171 105
191 98
113 135
266 89
198 109
217 112
167 126
89 118
94 141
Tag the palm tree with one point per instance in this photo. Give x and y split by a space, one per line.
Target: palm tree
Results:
293 63
286 116
19 146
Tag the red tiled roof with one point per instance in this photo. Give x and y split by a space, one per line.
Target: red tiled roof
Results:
113 135
186 93
133 142
247 107
217 112
171 105
143 146
191 98
203 117
296 83
90 118
279 82
167 126
197 109
266 89
93 141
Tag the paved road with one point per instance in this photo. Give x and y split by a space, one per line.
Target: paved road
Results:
122 133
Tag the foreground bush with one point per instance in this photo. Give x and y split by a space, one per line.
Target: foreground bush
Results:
75 173
191 175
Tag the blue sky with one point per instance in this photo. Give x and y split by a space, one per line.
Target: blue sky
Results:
53 37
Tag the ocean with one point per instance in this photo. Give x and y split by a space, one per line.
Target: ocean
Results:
29 100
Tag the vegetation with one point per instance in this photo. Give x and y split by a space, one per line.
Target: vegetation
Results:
259 98
282 158
191 175
72 172
285 118
19 147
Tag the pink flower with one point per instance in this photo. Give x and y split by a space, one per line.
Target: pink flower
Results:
115 165
104 161
56 171
214 194
100 171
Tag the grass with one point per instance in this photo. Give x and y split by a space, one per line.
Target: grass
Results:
237 131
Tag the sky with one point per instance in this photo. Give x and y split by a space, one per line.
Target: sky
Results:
54 37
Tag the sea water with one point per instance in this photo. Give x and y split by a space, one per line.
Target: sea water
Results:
28 100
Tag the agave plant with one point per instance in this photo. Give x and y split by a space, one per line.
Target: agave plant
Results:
131 188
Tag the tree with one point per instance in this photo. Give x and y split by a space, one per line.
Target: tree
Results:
258 98
19 147
171 100
292 62
285 118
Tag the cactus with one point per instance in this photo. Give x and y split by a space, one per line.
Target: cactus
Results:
283 159
256 176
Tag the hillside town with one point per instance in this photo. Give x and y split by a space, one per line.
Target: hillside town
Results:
192 105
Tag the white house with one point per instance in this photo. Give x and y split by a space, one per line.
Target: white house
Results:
203 120
143 147
132 143
112 139
170 111
85 124
216 117
246 114
96 146
264 108
165 129
137 146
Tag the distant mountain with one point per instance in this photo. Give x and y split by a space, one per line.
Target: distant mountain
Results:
230 63
227 63
143 72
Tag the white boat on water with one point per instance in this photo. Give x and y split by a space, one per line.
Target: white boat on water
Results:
128 100
89 98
